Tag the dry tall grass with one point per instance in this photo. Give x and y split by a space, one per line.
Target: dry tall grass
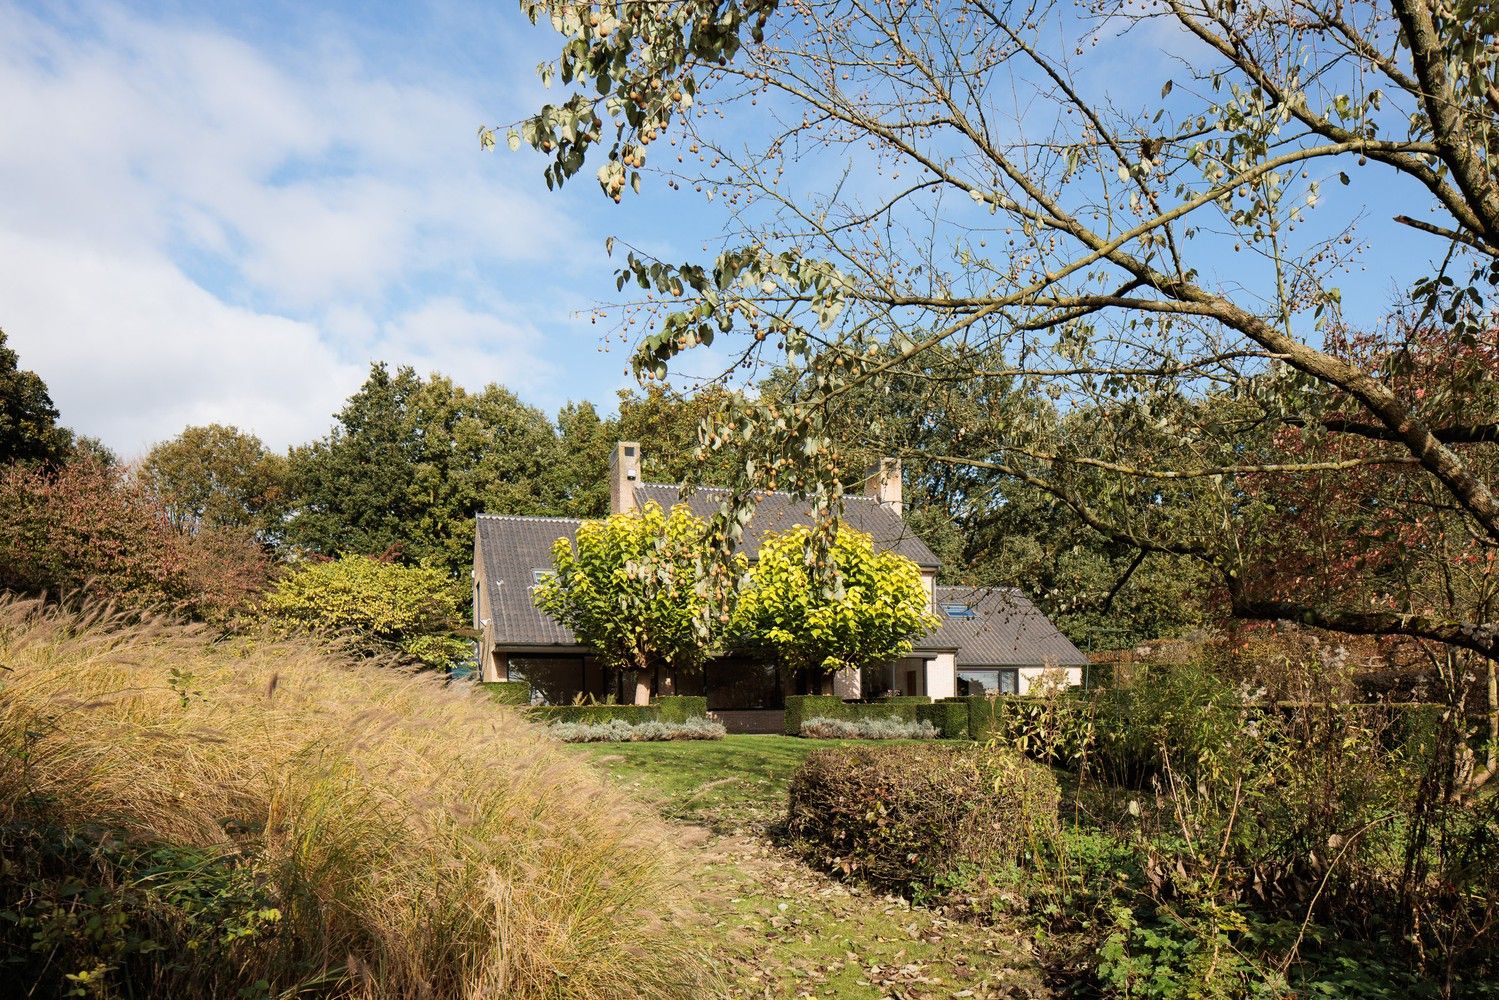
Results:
418 841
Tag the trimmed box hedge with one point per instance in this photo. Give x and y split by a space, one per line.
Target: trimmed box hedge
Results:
681 707
509 692
949 718
670 708
595 715
801 707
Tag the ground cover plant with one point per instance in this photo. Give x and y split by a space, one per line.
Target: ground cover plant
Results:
620 731
190 817
889 728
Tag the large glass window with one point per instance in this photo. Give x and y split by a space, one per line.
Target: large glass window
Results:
741 683
986 681
554 680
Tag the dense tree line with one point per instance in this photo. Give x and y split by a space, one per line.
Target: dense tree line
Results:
410 460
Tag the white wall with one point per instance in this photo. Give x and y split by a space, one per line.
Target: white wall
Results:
1030 675
942 676
846 684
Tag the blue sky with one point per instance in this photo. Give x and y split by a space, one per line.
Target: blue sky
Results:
224 213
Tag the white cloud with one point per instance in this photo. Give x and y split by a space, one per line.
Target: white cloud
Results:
193 230
133 351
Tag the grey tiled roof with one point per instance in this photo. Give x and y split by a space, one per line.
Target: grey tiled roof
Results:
1007 630
778 511
511 549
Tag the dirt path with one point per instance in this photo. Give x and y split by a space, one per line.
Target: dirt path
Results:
776 928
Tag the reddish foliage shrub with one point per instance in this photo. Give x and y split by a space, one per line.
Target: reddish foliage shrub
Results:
88 527
910 816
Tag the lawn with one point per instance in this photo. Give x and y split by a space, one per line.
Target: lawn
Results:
735 783
775 927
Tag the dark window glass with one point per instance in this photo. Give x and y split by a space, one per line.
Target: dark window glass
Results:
982 682
554 680
741 683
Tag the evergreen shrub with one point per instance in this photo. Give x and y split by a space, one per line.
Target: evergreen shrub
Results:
509 692
681 707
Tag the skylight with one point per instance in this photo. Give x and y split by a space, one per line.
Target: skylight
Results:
958 611
538 575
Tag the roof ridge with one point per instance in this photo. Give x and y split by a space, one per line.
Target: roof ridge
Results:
529 517
724 489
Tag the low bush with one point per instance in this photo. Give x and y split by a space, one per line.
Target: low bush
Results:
619 731
594 715
681 707
380 606
509 692
949 718
190 818
890 728
801 707
911 817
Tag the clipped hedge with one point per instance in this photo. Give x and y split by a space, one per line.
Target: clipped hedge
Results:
509 692
907 817
949 718
595 715
681 707
801 707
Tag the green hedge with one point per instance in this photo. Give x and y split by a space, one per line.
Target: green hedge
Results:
509 692
681 707
594 715
801 707
950 718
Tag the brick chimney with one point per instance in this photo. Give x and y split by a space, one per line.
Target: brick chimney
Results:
883 484
624 475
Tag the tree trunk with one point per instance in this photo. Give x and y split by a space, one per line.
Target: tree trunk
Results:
1493 755
642 687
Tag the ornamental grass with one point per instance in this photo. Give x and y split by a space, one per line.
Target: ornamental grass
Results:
190 816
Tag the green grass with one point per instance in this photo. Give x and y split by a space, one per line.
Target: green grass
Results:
777 928
733 783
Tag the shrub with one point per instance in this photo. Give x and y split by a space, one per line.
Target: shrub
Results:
681 707
949 718
594 715
383 606
619 731
801 707
87 526
509 692
190 818
889 728
909 817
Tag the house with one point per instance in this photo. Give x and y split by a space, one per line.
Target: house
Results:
990 639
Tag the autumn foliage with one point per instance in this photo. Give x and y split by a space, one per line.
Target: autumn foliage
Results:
87 526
